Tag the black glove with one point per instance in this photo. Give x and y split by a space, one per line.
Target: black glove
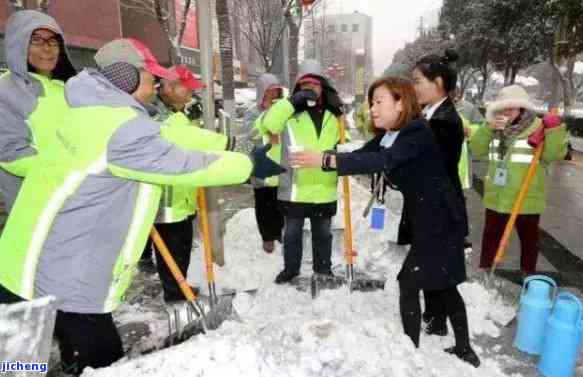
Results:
333 102
300 99
264 166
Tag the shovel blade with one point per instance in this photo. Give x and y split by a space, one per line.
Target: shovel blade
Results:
322 281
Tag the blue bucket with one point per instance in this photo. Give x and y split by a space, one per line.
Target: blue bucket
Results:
563 336
536 302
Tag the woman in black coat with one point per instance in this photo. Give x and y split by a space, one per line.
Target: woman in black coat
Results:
410 158
434 79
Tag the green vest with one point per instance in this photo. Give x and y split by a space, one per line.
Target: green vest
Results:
501 198
305 185
274 153
42 122
60 171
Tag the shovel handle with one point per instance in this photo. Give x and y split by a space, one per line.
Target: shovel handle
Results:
517 206
172 266
206 235
348 252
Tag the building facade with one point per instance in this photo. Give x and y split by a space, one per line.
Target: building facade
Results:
342 43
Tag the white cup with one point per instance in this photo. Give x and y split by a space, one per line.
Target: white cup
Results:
294 149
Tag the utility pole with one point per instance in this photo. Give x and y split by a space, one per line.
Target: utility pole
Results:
214 195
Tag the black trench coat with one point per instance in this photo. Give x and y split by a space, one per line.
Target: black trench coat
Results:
448 129
414 166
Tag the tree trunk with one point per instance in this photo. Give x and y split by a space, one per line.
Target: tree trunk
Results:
513 74
294 39
226 51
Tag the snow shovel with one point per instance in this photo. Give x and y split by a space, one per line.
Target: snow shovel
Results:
504 241
503 245
221 307
185 319
322 281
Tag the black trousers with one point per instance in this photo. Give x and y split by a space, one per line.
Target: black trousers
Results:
178 238
453 305
321 243
269 217
85 340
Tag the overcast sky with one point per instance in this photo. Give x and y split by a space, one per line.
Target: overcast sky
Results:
395 23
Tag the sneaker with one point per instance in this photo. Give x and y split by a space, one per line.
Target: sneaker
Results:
466 354
285 276
147 266
433 328
268 246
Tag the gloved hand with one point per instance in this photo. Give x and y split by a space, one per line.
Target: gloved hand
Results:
549 121
300 99
333 102
264 166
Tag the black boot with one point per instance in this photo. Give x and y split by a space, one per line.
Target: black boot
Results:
466 354
285 276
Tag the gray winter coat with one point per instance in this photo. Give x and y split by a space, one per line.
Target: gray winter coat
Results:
23 96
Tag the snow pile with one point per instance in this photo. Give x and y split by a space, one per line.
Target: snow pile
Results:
283 332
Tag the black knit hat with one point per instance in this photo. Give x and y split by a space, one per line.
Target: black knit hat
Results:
123 75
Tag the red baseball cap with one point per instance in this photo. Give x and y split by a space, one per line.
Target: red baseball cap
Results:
186 77
309 79
134 52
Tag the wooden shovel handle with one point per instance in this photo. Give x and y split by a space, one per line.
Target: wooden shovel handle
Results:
517 206
205 234
172 266
348 252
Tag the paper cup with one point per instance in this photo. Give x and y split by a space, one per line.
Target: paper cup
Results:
294 149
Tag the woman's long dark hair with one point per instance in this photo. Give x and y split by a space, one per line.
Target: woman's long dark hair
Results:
434 66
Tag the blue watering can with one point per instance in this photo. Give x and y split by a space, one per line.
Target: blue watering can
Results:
536 301
562 339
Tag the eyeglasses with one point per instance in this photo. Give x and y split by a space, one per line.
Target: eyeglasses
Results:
39 41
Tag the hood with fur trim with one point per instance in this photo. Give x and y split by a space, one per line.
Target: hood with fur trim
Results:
513 96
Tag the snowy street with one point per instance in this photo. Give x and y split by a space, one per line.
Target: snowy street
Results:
283 332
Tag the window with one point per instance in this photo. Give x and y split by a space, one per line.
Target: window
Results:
332 28
355 28
344 28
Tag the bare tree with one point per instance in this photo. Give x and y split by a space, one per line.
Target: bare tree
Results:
261 24
164 12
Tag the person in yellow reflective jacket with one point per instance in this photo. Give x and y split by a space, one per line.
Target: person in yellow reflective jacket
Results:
175 218
85 210
504 142
309 119
269 217
32 101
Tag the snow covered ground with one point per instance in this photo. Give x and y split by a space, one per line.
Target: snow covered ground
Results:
283 332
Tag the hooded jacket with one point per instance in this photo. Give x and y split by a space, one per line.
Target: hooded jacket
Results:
81 220
31 105
306 192
252 113
517 154
256 132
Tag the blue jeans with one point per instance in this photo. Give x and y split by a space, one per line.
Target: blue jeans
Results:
321 244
